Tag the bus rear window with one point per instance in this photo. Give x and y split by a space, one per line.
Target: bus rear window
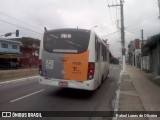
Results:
66 41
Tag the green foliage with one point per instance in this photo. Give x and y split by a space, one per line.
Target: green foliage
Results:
30 42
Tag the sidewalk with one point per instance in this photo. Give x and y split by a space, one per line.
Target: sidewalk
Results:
138 93
6 75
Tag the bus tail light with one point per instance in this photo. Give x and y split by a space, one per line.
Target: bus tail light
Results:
91 67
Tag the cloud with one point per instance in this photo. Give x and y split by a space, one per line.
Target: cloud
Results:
86 14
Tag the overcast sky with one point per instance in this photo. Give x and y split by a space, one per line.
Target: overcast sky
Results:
31 16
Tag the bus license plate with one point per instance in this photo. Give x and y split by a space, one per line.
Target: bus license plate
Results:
63 83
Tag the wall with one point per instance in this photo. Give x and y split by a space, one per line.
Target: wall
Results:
146 63
8 74
153 61
138 58
29 59
9 49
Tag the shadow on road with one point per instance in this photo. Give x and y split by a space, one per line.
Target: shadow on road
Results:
73 93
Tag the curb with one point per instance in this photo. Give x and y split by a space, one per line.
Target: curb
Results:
18 80
17 73
117 96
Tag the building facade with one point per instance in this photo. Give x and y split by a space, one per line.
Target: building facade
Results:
147 55
9 53
151 52
134 53
22 51
9 46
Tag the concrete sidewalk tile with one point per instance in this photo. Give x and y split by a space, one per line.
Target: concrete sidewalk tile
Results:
138 93
127 86
130 103
148 91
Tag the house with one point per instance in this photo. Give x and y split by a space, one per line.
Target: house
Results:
134 53
30 56
9 52
23 50
30 51
152 50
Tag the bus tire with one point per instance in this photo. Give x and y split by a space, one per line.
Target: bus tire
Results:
107 74
100 83
102 80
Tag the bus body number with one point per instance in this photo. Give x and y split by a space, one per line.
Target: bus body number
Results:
66 35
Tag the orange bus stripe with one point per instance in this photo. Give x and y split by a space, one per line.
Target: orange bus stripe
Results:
76 66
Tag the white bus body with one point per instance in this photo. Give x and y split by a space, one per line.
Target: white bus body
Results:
73 58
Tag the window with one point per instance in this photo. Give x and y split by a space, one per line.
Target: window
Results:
14 46
66 41
97 48
104 53
4 45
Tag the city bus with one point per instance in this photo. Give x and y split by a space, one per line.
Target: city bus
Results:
73 58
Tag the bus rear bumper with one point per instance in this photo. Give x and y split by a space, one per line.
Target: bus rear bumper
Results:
85 85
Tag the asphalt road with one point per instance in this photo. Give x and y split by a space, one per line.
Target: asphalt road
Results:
31 96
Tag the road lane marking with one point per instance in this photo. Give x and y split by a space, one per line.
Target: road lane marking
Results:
27 95
18 80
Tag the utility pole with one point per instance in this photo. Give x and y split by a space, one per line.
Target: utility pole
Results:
122 34
118 24
158 45
141 49
159 8
142 36
159 12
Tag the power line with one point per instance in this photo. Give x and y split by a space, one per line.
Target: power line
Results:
113 24
111 15
20 21
147 33
122 32
115 18
148 13
114 13
140 25
135 33
153 27
19 26
116 10
111 33
159 7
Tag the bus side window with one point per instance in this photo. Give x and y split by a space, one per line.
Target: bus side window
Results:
99 52
107 55
97 49
104 52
